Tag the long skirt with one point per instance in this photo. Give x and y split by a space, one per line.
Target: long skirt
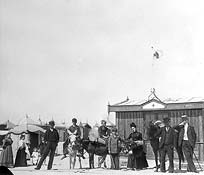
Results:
20 158
137 161
6 157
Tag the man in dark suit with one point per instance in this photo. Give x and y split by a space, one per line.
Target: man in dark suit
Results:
51 138
166 145
187 139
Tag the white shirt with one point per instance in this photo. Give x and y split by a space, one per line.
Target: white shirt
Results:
167 129
185 136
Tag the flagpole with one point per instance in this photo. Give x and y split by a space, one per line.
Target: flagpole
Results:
153 71
156 56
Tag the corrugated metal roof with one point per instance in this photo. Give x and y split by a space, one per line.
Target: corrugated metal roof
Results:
168 100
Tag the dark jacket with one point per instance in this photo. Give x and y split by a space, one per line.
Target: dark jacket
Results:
103 131
191 136
167 137
51 136
114 144
76 129
137 149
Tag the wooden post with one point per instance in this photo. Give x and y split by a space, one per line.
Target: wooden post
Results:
201 145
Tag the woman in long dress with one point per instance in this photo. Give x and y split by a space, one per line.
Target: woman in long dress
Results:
6 156
137 157
21 153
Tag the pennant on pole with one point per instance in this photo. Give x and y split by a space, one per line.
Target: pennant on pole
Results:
157 54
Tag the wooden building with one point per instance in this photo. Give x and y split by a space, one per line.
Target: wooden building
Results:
142 112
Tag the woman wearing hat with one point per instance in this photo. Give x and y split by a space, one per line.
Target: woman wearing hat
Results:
6 156
20 160
137 157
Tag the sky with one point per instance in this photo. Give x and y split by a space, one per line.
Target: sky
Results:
65 58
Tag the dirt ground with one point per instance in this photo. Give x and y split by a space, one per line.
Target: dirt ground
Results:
62 167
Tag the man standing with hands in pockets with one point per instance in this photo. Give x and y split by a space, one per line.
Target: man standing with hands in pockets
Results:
51 138
187 139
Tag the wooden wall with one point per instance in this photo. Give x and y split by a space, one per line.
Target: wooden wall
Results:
123 120
141 119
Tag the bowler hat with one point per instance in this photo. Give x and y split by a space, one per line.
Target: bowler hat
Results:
52 123
132 125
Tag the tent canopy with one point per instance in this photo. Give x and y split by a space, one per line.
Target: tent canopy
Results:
20 129
8 124
27 121
3 132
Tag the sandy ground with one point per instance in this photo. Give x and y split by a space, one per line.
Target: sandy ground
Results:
62 167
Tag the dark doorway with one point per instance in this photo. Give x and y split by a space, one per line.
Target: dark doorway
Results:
33 141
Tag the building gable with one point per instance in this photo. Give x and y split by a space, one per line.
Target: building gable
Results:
153 104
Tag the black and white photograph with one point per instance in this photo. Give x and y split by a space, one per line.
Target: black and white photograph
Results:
101 87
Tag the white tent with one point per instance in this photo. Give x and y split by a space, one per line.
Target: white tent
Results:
27 121
25 128
3 132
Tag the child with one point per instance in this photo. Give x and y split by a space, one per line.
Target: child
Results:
35 156
114 148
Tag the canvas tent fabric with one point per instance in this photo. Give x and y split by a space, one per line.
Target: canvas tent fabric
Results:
27 121
3 132
20 129
8 124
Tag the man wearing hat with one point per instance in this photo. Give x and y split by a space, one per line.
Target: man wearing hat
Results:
51 138
167 144
187 139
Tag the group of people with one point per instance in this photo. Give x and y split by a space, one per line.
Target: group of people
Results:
182 135
169 138
136 155
22 153
137 158
6 156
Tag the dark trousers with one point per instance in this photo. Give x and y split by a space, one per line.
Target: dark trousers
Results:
167 149
188 152
65 145
115 161
50 148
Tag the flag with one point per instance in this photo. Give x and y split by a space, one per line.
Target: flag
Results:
156 54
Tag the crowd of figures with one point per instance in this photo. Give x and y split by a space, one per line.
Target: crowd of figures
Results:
103 141
22 153
164 139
